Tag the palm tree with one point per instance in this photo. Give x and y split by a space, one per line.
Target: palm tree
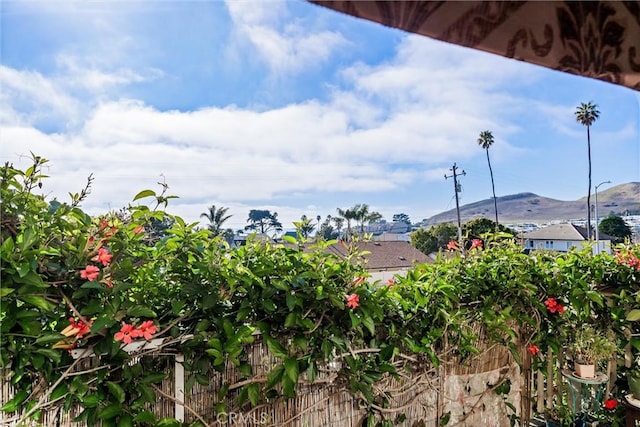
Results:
586 115
348 215
485 140
216 217
338 222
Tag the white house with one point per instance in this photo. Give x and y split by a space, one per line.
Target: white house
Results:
562 237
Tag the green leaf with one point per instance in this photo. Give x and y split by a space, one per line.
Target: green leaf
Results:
93 285
168 422
254 393
5 291
595 297
32 278
290 239
101 323
141 311
91 400
116 391
143 194
51 354
125 420
269 306
154 377
288 387
14 404
59 391
633 315
291 369
367 321
145 417
110 411
49 338
38 301
276 348
275 376
355 320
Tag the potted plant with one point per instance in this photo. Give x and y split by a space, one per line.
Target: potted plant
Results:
589 346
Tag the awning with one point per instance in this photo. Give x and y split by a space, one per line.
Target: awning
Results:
598 39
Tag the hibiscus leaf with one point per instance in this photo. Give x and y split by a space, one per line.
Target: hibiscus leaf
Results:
140 311
144 193
38 301
101 323
116 391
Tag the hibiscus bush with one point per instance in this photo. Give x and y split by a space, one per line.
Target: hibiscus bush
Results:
76 283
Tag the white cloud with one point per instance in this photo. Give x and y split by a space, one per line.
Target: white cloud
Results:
286 49
377 132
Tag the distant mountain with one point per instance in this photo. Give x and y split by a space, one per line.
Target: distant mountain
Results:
529 207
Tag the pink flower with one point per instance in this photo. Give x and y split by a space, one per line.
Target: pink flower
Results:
139 229
533 349
90 272
452 246
353 300
476 243
147 329
127 332
611 404
104 256
391 282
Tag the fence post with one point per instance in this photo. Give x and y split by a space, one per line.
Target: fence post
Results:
179 387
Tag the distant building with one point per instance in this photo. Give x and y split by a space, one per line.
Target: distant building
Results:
562 237
393 237
385 258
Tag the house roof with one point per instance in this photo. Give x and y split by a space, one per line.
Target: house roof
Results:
562 232
384 255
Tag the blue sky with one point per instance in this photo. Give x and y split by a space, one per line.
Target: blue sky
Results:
286 106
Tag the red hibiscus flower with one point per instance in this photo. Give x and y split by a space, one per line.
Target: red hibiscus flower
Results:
147 329
139 229
611 404
553 306
452 245
533 349
127 333
358 280
391 282
90 272
476 243
104 256
353 300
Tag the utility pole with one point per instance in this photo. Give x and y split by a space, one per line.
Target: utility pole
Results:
457 189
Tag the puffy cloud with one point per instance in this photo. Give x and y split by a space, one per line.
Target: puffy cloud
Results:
286 49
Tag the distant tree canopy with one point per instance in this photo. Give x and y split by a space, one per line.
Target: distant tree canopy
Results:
615 226
263 221
475 228
304 227
433 239
438 236
402 217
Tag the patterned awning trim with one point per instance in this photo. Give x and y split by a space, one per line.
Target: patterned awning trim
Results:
598 39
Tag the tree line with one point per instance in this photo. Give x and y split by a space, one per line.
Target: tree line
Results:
345 223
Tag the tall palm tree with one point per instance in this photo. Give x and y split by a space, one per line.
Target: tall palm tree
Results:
586 115
216 217
348 215
485 140
338 222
